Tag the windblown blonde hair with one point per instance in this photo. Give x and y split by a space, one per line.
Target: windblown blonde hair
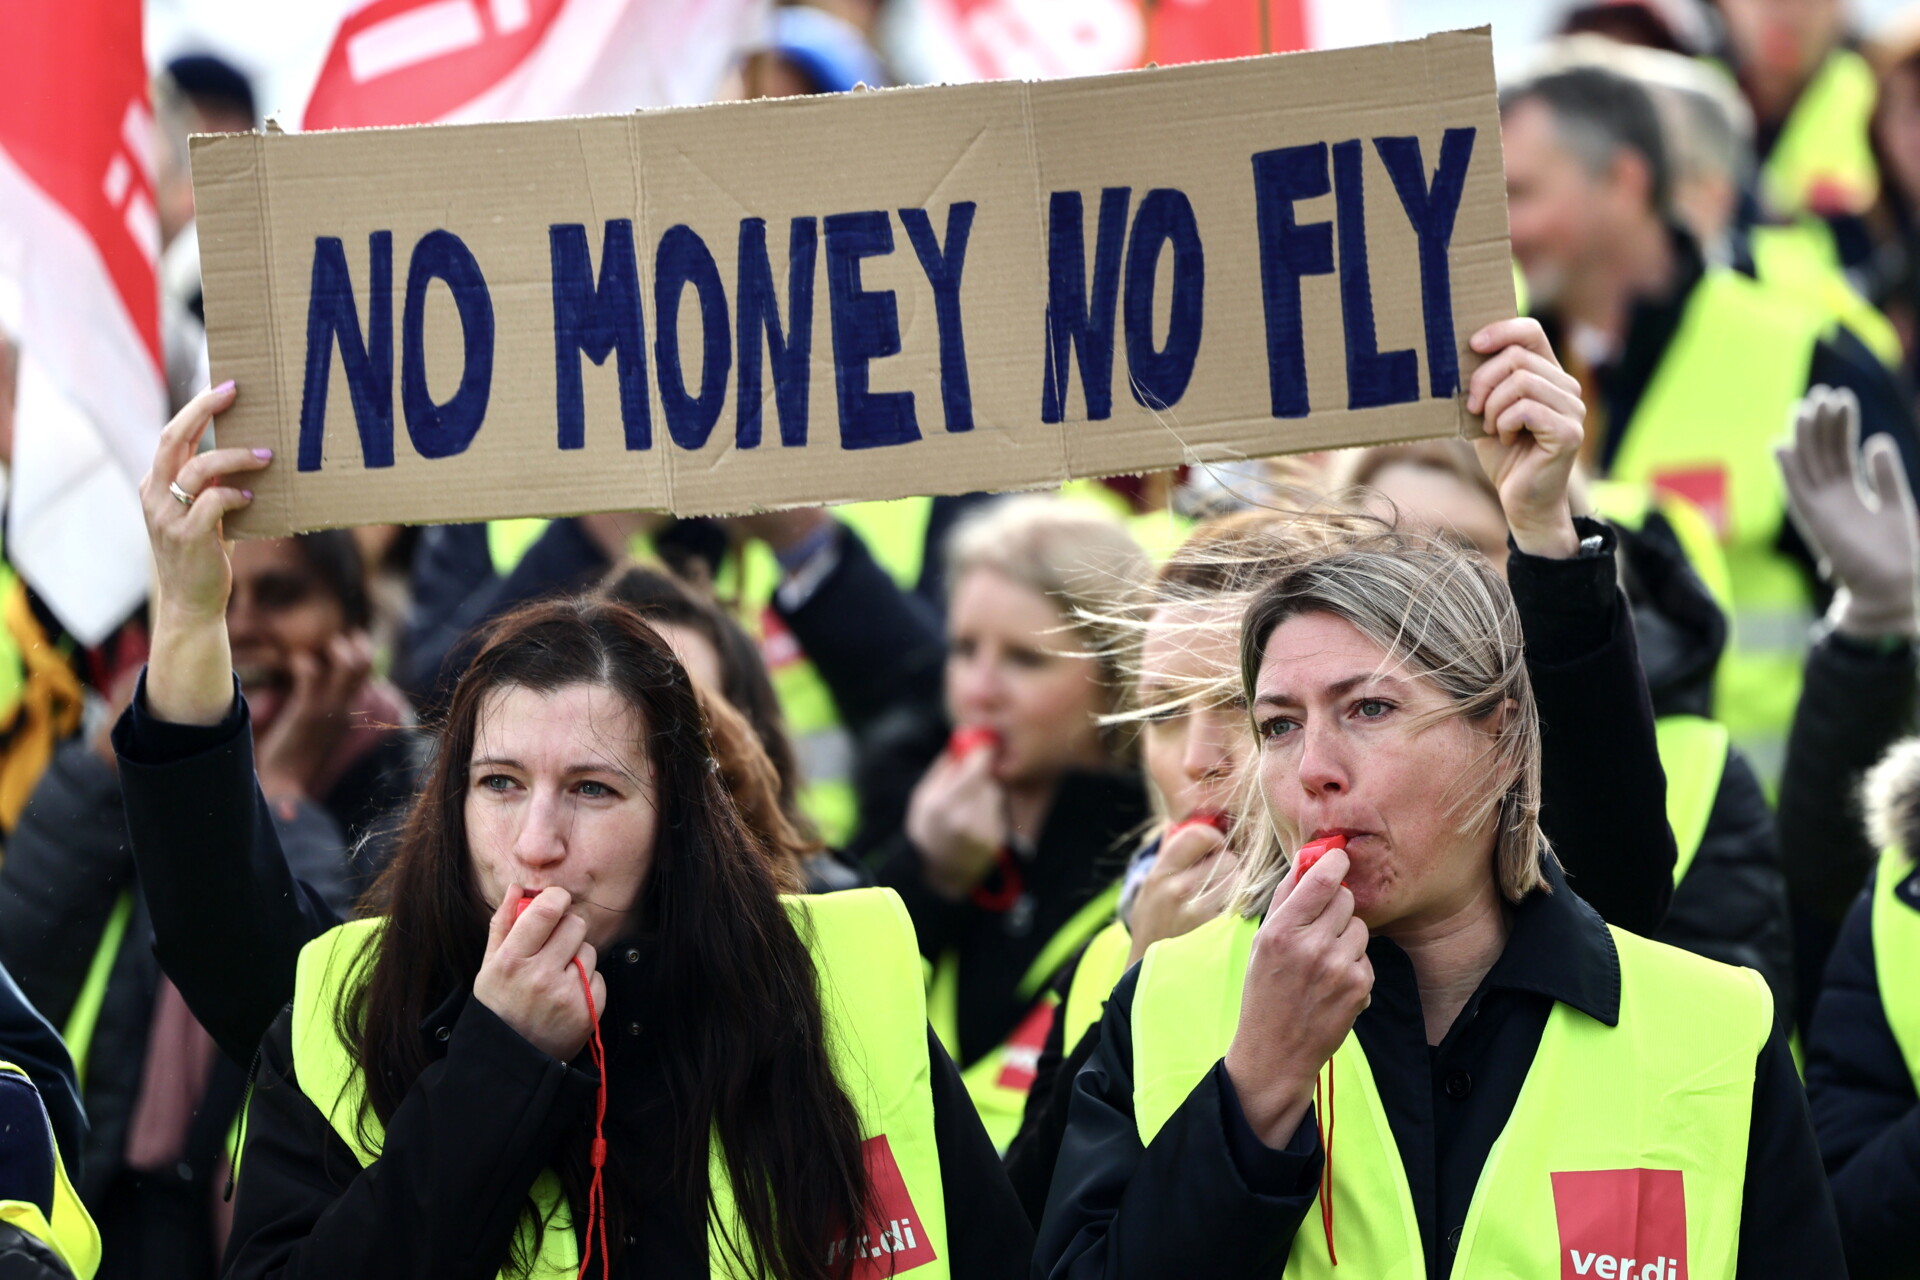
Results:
1441 615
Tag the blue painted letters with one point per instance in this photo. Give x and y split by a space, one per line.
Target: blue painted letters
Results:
682 259
1076 322
1431 211
943 270
866 326
1289 251
1374 377
598 323
332 316
790 351
442 430
1160 378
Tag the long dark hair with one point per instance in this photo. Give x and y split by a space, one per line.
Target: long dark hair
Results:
737 1003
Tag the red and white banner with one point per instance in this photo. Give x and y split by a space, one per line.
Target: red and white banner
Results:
78 242
414 61
1046 39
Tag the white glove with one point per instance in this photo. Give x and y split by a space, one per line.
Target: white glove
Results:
1856 512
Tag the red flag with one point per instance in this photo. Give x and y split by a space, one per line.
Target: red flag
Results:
76 125
411 61
414 61
1202 30
78 242
1043 39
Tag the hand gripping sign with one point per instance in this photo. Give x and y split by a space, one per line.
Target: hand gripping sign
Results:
871 295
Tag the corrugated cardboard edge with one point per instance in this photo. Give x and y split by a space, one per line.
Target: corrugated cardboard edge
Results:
260 415
1471 426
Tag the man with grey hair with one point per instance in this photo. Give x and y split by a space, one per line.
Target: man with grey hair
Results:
1691 368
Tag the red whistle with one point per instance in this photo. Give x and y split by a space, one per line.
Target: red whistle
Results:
520 907
1221 822
969 738
1314 850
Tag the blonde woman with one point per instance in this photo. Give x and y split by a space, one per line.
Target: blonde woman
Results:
1014 839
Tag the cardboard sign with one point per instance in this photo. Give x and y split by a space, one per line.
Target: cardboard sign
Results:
755 305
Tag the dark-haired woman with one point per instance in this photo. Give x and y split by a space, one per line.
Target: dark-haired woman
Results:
428 1107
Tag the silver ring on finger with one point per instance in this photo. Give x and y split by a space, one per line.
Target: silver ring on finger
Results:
184 498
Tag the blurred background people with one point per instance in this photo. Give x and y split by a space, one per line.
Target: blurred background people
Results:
1690 369
1009 848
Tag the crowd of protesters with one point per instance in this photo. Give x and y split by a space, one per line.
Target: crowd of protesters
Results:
1051 884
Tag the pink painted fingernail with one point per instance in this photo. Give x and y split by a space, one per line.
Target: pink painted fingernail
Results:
263 454
224 387
247 494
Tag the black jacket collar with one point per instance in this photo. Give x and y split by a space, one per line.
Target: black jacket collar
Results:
1560 948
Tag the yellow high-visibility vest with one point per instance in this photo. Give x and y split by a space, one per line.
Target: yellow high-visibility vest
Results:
1654 1111
1825 146
1693 754
1102 964
863 949
70 1232
1896 956
1000 1079
1719 401
84 1017
1799 260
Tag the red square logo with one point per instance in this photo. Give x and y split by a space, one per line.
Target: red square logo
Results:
895 1240
1705 488
1020 1056
1622 1224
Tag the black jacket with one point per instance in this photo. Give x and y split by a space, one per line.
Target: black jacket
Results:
481 1123
1081 851
67 864
1732 905
1855 703
1602 802
32 1045
1208 1197
1861 1087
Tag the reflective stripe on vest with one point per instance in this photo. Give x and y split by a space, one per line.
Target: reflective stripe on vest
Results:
1693 754
999 1080
1102 964
1800 261
1653 1113
70 1233
85 1014
1705 429
1823 161
863 948
1896 956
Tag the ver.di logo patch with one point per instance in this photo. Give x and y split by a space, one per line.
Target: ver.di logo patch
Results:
1621 1224
895 1240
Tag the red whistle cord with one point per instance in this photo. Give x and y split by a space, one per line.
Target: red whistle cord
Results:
1012 885
1323 1124
597 1154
